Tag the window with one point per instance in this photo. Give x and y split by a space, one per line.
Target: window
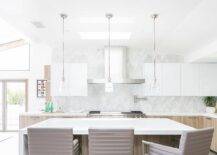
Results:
15 59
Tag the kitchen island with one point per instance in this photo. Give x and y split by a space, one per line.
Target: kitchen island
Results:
154 129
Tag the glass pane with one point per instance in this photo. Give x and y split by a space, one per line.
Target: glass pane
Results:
1 122
15 103
15 58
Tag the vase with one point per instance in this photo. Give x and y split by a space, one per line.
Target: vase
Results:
210 110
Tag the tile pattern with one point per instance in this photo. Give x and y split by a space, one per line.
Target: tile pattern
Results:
122 98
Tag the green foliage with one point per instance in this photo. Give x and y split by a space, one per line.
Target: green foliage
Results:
15 98
210 101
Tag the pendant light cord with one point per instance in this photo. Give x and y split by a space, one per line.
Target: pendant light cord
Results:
155 78
154 16
109 16
63 46
63 16
109 48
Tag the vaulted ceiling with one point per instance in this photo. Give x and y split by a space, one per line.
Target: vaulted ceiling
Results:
184 26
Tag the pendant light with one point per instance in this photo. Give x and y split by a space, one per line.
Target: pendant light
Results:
154 82
62 81
109 84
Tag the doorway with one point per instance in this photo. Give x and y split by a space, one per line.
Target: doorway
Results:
13 101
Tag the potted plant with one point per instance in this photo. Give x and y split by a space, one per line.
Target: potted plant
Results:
210 102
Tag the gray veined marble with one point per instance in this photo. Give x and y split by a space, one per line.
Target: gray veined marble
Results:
122 97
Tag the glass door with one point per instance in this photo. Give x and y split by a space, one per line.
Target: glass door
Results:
1 106
13 101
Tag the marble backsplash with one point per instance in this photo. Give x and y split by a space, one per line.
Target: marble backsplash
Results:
122 99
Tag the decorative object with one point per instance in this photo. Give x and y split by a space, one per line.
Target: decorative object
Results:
49 107
210 102
62 81
41 88
109 84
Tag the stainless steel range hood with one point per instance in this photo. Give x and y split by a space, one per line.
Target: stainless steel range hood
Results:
118 68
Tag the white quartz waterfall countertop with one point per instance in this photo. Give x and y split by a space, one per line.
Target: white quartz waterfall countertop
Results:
141 126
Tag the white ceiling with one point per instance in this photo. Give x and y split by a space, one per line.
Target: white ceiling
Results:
184 26
8 33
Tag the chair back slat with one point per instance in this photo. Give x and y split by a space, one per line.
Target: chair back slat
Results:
111 141
196 142
50 141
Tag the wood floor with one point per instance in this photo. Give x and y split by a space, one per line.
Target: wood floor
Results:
9 144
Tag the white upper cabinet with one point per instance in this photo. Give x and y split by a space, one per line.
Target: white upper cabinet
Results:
171 77
208 77
175 79
168 79
75 79
148 73
190 80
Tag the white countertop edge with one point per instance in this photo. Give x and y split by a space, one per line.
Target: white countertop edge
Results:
138 129
84 114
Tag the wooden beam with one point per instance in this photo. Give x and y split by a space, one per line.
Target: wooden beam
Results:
12 44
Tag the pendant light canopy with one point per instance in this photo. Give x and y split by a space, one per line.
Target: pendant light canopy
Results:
154 17
109 84
62 81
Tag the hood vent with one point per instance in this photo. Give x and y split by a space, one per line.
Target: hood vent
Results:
118 68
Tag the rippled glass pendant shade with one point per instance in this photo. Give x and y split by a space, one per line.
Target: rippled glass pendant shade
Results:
62 85
109 87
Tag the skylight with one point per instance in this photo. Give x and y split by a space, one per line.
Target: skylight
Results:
98 20
104 35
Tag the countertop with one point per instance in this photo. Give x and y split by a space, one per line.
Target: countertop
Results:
84 114
54 114
141 126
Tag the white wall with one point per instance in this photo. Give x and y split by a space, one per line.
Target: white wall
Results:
40 55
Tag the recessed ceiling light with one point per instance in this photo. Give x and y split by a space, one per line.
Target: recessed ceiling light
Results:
104 35
38 24
98 20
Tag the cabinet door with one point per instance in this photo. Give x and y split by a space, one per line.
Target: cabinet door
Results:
148 72
22 122
75 80
209 122
190 79
34 119
208 76
192 121
171 79
215 135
